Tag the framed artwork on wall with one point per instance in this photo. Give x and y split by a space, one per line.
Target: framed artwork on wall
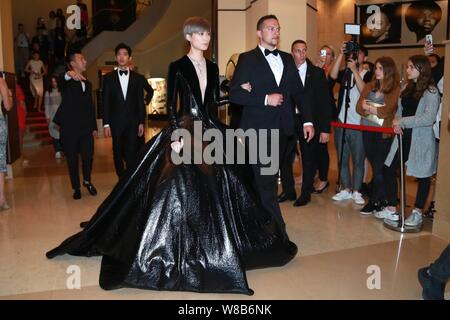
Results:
403 24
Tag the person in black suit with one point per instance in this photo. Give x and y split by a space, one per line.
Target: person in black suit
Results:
77 122
272 81
317 97
124 110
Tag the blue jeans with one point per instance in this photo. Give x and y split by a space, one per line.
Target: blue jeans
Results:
353 146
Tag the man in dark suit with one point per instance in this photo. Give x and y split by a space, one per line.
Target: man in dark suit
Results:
317 96
77 121
124 110
271 81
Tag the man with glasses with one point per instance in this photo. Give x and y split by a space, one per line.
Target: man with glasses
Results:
265 82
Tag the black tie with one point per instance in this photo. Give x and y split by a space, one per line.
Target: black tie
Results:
274 52
123 72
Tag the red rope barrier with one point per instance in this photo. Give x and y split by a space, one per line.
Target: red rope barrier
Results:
363 128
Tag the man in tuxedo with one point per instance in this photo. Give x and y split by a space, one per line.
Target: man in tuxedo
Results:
77 122
124 109
272 81
317 96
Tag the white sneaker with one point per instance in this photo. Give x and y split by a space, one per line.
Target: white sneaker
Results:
387 214
343 195
58 155
415 219
357 197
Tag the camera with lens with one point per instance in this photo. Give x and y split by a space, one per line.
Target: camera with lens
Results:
351 50
352 47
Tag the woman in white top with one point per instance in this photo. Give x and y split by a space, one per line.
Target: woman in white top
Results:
6 97
37 71
52 102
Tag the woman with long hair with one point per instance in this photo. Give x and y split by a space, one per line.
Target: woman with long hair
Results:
415 117
53 100
379 99
189 226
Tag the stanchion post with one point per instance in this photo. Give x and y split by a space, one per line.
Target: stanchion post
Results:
402 182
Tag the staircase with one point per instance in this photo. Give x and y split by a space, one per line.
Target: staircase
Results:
37 131
149 14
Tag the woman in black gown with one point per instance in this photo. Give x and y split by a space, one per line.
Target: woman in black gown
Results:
187 227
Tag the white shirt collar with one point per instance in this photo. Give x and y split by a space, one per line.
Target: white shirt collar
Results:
303 66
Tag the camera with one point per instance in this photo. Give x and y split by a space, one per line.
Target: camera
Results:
351 50
352 47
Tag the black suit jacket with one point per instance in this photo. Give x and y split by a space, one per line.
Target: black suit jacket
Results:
253 67
147 88
76 115
120 112
317 97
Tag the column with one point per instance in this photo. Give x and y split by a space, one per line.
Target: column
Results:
441 224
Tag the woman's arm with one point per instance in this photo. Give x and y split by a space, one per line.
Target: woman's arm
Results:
6 94
28 67
428 116
390 105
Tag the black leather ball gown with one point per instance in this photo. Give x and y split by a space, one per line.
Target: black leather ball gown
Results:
182 227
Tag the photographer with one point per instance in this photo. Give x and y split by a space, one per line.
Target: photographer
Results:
357 77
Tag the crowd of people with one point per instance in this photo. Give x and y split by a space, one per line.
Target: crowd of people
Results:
276 90
43 55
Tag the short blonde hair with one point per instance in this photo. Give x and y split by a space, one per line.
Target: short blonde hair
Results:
195 24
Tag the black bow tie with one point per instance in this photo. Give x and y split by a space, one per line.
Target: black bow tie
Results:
274 52
123 72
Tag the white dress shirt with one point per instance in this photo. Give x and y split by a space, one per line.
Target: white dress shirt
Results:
124 78
302 71
275 63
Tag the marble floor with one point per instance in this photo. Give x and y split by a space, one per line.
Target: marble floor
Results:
339 248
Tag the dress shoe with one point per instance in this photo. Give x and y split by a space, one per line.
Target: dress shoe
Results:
323 189
77 194
90 187
84 224
433 289
284 197
302 201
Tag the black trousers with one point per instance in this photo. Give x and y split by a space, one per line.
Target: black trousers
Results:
125 147
377 149
323 161
286 167
75 145
267 185
310 162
